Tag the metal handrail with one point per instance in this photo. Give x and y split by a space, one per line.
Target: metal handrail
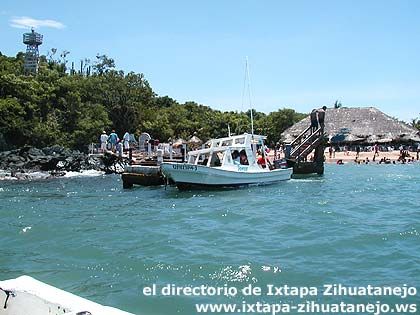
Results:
300 135
309 148
306 141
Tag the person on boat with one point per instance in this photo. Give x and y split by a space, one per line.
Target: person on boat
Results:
113 140
215 160
103 140
261 159
243 158
321 117
314 121
126 139
235 157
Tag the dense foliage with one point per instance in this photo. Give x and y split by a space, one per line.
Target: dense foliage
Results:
71 108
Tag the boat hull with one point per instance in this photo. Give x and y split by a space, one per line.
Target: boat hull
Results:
25 295
189 176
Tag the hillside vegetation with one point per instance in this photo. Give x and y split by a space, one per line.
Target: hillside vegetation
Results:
71 108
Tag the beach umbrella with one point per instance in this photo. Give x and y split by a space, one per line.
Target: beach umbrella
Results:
143 138
352 138
178 143
408 137
372 139
195 140
384 140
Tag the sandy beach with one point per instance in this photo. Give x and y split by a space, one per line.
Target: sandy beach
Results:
350 156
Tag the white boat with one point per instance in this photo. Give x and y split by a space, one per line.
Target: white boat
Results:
25 295
218 165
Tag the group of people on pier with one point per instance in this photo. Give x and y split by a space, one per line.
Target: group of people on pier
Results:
113 143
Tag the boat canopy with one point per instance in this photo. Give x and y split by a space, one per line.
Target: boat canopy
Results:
219 151
239 141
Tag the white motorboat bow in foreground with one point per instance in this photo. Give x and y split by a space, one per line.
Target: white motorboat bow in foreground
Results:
27 296
227 162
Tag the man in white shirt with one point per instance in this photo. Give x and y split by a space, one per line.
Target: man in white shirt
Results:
103 140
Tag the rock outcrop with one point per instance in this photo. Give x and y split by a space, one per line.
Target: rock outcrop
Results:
55 160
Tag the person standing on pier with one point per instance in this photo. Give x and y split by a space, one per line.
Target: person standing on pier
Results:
321 117
113 140
103 139
126 139
314 121
119 148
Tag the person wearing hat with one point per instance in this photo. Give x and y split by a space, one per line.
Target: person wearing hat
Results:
103 140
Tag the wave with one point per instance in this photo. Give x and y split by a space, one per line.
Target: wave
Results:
84 173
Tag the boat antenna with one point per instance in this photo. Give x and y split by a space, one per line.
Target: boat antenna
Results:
249 94
228 130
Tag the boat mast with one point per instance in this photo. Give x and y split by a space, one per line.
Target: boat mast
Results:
248 77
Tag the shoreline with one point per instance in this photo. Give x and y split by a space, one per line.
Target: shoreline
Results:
350 156
87 166
30 163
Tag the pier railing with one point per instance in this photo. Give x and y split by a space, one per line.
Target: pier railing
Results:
305 143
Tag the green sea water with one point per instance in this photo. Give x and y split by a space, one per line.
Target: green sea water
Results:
356 225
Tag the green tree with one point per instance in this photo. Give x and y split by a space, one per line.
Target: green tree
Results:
103 64
13 126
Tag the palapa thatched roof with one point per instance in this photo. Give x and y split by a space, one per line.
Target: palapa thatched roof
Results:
358 125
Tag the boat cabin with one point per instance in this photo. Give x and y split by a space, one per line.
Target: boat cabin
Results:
229 151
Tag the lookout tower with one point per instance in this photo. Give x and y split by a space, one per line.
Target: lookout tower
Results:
32 41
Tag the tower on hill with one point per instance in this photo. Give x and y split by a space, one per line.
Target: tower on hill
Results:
32 41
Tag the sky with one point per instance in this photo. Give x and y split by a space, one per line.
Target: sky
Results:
302 54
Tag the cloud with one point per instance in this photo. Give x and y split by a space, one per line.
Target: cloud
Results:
27 22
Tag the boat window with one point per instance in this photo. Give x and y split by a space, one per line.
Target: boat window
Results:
240 141
235 157
216 159
227 142
203 159
192 158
